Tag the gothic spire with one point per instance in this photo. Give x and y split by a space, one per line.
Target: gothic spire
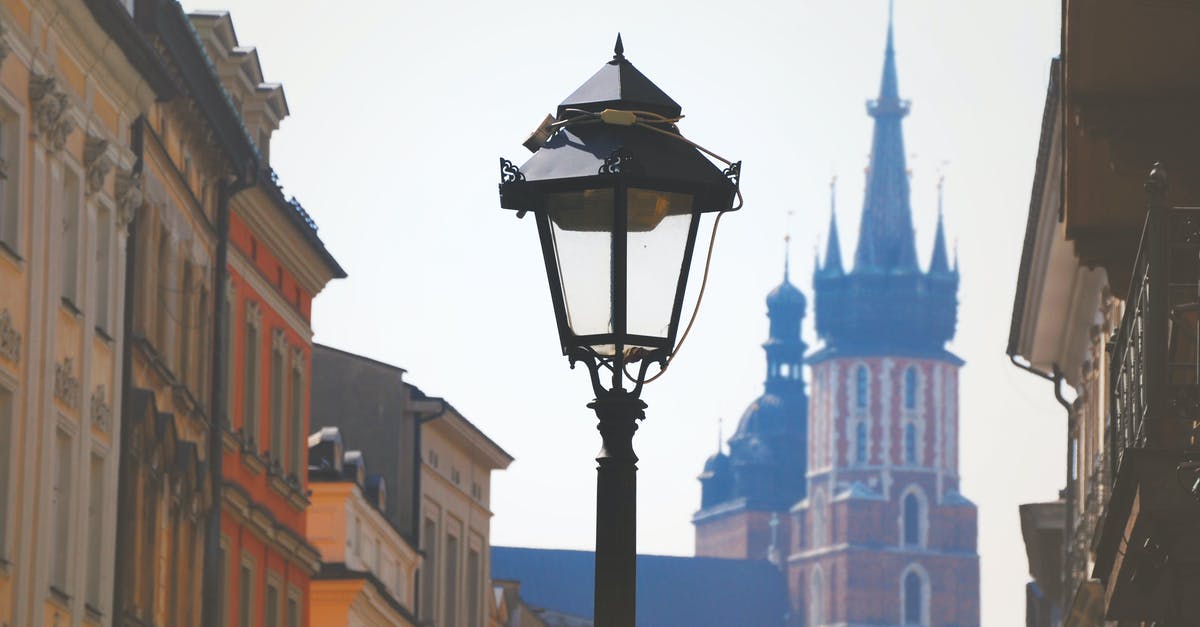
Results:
885 238
833 249
939 263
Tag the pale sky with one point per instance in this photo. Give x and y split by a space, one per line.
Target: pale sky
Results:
400 111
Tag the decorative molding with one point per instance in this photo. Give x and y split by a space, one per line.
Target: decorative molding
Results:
10 338
253 315
279 343
101 410
51 110
66 384
129 196
96 162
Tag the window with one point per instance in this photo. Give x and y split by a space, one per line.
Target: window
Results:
272 609
451 617
95 521
861 380
104 237
358 541
250 389
293 608
912 520
428 568
818 513
860 442
914 600
246 597
473 588
61 508
70 238
910 388
816 601
9 206
910 443
6 443
277 431
296 410
226 581
227 336
378 559
161 308
185 325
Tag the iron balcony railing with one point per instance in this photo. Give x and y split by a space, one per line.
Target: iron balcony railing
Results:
1156 358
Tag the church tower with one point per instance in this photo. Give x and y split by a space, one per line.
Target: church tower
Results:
746 495
884 536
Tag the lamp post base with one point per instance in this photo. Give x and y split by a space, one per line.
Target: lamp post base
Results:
616 509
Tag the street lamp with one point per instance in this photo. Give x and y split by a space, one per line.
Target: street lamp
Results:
617 194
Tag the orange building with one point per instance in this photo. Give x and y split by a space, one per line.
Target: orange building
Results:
274 265
368 568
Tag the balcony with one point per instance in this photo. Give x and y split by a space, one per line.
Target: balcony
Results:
1148 550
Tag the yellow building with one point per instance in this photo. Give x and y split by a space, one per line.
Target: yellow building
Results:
457 461
367 567
74 80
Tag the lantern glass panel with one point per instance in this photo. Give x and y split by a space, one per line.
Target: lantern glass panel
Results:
581 226
659 223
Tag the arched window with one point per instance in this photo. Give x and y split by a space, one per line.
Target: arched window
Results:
818 512
860 387
910 388
913 599
910 443
912 520
785 370
860 442
816 598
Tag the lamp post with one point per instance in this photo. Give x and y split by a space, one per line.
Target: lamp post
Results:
617 193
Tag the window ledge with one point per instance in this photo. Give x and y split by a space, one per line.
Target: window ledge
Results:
60 597
230 441
8 251
70 306
251 460
93 613
104 335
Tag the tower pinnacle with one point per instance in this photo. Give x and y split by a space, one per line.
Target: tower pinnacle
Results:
885 239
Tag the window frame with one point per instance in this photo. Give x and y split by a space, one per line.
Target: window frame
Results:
8 418
11 174
246 589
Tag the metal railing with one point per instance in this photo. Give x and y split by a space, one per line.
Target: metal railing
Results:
1156 358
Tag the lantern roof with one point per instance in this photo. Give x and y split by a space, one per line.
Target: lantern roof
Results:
619 85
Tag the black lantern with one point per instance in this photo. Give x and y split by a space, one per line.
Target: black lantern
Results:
617 194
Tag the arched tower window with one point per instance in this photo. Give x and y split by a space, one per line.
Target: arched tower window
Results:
914 596
912 520
818 512
860 387
816 598
910 388
910 443
860 442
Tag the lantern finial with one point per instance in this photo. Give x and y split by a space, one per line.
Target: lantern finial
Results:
619 49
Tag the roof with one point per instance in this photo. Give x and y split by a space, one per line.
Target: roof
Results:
672 591
1035 206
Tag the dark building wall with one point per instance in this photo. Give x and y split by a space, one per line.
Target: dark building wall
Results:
368 401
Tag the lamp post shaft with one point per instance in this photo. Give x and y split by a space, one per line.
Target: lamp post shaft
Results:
616 509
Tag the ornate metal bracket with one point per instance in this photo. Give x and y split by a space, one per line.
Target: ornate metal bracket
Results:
620 161
509 172
595 362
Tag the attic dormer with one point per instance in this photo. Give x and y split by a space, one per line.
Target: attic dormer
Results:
262 105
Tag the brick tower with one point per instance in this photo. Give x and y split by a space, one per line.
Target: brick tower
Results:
884 537
746 495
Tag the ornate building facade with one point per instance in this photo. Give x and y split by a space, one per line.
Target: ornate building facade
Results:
865 473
